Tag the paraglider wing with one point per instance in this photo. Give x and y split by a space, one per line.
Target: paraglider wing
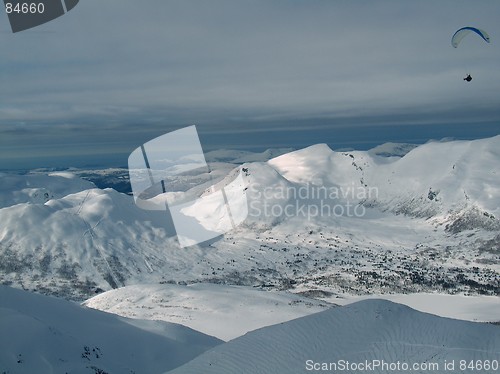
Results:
464 31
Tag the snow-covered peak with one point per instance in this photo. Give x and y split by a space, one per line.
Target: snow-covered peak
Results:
240 157
392 149
263 156
304 164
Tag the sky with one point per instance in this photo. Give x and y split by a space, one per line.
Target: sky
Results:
93 85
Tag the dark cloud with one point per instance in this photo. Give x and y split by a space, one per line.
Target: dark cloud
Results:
115 73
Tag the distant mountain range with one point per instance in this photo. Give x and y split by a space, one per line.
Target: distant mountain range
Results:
426 220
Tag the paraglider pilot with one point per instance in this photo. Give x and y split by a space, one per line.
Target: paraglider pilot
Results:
468 78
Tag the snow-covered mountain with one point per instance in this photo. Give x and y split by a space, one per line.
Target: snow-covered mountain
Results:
387 336
358 222
433 179
320 222
41 334
38 188
240 157
392 149
326 225
80 243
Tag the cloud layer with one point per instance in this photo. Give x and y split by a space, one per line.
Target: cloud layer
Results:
109 75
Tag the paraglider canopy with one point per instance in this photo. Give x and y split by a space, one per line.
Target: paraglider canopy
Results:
460 34
464 31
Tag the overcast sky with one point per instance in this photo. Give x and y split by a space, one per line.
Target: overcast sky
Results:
94 84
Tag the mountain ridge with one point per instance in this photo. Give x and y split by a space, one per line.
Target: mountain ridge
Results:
441 237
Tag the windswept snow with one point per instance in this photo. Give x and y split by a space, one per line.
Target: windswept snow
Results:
41 334
228 312
364 331
218 310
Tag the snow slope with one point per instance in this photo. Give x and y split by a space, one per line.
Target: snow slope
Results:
41 334
228 312
88 240
218 310
366 330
